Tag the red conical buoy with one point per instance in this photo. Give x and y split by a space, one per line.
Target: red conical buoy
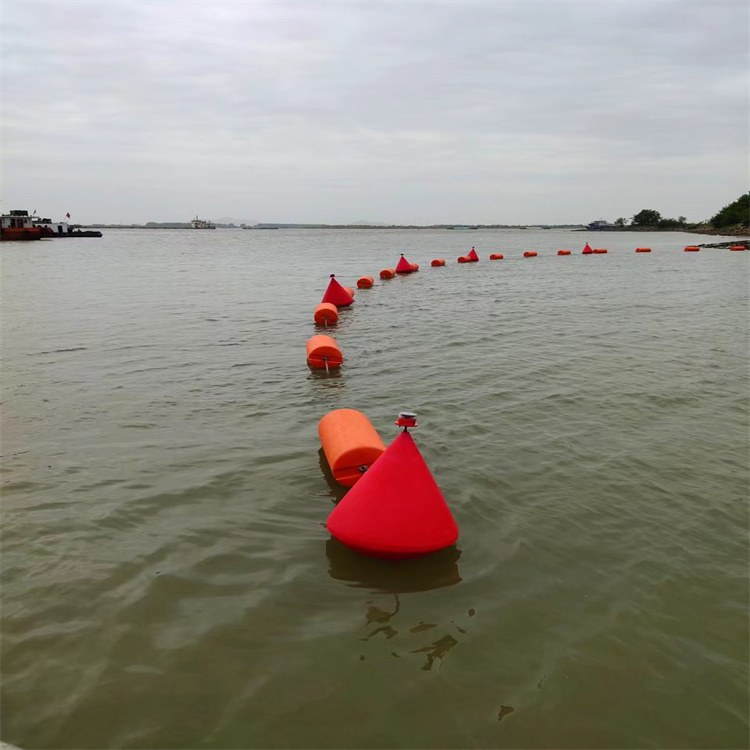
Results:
588 250
337 294
403 265
396 510
473 254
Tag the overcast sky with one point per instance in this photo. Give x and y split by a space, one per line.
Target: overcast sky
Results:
404 112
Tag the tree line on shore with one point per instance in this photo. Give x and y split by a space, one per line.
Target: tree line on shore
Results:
735 214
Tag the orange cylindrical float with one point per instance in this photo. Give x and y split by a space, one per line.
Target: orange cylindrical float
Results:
387 273
563 252
365 282
496 256
323 352
350 291
692 249
643 249
737 247
530 254
351 444
438 262
415 266
326 314
464 259
599 250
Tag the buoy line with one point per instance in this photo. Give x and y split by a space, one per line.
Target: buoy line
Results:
394 509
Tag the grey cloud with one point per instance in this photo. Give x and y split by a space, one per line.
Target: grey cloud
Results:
509 112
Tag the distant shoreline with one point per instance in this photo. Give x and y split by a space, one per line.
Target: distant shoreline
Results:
735 231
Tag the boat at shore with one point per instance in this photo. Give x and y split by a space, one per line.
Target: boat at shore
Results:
60 229
18 226
197 223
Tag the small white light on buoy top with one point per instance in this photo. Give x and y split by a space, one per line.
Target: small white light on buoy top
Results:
406 419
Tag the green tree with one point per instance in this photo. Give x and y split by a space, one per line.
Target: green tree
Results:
734 213
620 222
647 218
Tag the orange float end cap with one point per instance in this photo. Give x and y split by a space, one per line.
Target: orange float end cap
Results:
323 350
350 443
326 314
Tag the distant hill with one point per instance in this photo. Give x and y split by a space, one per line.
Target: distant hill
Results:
365 223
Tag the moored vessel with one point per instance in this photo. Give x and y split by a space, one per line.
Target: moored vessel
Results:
63 229
197 223
18 226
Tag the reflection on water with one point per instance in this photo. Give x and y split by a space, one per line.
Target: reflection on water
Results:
436 650
393 576
329 378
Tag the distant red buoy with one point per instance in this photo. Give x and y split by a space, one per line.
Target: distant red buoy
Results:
323 353
464 259
530 254
414 266
692 249
496 256
643 249
396 510
563 252
587 250
387 273
737 248
403 265
472 255
599 250
365 282
337 294
438 262
326 314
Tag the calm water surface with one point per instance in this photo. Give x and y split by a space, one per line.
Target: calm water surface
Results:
168 581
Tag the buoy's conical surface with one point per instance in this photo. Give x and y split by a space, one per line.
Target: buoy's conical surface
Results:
588 249
337 295
403 266
396 510
473 254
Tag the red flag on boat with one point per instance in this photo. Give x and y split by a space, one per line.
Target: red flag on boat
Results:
67 216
